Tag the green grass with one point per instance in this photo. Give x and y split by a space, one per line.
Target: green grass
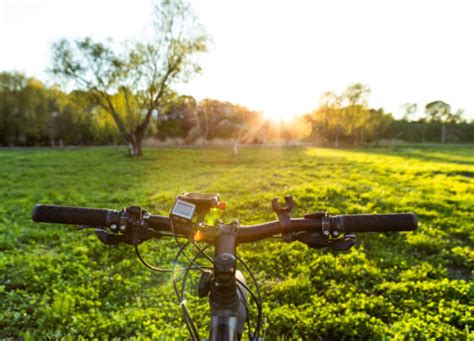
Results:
56 281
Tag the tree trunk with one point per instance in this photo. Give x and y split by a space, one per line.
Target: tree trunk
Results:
135 145
336 141
326 135
236 143
443 133
236 147
362 137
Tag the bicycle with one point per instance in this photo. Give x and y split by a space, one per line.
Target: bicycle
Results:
223 285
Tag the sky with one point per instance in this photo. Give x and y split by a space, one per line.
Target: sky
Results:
278 56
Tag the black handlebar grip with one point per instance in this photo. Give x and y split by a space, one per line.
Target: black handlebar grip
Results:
71 215
374 222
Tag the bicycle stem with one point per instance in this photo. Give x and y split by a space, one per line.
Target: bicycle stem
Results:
227 317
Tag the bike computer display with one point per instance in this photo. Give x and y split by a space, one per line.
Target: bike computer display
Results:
183 209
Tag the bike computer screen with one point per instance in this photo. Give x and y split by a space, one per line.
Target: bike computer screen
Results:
183 209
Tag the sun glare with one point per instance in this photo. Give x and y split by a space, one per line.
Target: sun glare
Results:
277 116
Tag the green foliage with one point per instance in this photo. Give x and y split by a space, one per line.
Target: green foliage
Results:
24 105
422 131
57 282
347 117
33 114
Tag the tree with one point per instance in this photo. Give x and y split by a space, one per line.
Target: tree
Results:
216 119
356 93
132 85
24 109
440 112
11 85
329 117
356 112
348 116
177 118
409 109
237 120
209 113
378 123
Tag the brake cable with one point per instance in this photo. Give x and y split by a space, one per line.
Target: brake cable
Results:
201 251
187 317
247 313
257 299
179 246
163 270
182 302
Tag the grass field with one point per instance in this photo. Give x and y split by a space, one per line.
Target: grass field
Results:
56 281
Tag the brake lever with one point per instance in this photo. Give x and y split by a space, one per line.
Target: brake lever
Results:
344 243
133 238
107 237
316 241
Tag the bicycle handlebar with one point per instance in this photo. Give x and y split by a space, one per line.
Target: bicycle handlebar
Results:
134 225
334 224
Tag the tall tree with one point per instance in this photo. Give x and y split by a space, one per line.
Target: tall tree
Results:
440 112
329 117
11 86
237 122
409 109
355 98
177 118
132 85
209 113
24 109
216 119
348 116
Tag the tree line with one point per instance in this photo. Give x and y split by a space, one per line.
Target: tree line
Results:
348 118
33 114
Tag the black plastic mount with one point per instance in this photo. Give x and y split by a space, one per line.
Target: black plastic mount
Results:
312 239
129 226
283 213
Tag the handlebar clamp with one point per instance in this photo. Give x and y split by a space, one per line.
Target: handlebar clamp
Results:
130 228
283 213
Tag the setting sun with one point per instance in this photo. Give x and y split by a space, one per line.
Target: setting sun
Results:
278 116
